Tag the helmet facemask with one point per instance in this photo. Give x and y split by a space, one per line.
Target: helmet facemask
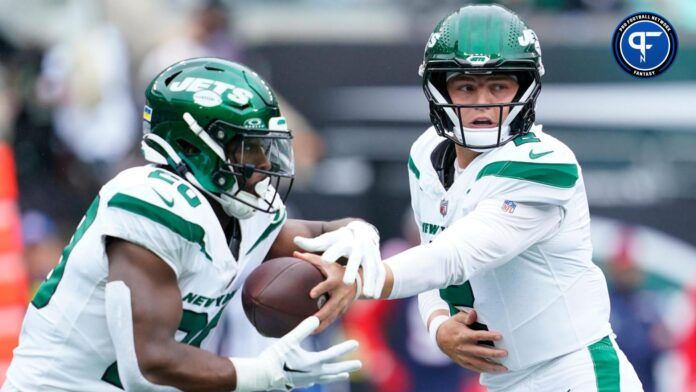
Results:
446 116
260 166
234 156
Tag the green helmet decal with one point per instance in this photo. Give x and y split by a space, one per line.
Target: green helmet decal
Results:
482 40
203 115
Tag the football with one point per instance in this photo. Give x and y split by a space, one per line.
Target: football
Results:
276 298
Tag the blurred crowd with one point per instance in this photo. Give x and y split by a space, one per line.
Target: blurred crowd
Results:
71 111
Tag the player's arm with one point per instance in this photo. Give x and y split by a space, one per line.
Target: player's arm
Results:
156 311
153 307
456 337
482 240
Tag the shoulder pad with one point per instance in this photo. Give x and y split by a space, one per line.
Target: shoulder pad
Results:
160 188
539 168
536 146
156 209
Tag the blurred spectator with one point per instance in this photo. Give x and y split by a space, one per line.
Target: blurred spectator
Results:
42 246
634 316
87 83
7 107
688 349
207 32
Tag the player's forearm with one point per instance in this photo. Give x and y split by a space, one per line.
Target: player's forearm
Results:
430 303
484 239
419 269
188 368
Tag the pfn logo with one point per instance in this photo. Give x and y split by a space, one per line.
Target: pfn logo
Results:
645 44
641 45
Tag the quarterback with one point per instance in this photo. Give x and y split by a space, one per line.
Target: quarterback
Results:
504 272
164 247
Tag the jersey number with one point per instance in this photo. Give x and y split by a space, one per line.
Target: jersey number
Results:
49 286
195 325
183 189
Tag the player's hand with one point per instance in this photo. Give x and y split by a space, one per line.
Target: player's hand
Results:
286 365
341 296
456 339
359 242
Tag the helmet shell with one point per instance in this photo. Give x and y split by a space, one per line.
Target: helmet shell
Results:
478 36
210 90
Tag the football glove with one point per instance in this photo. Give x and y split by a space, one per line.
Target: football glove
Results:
359 242
285 365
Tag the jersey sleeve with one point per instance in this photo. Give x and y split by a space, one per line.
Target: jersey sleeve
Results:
133 216
488 237
429 302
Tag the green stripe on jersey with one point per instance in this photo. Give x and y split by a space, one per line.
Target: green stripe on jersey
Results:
561 175
413 168
188 230
278 220
48 287
606 365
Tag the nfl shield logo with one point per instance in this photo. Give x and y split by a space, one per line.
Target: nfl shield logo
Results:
509 206
443 207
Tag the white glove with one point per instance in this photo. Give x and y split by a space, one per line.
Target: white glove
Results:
359 241
285 365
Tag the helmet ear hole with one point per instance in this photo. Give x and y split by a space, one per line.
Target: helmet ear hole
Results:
187 148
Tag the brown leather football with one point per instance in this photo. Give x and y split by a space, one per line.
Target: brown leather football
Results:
276 298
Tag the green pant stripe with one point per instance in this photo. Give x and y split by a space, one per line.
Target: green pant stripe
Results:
606 365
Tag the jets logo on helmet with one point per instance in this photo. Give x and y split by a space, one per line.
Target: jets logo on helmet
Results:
207 122
236 94
433 39
477 59
482 40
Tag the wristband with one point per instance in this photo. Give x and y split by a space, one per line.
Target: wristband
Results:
434 326
251 375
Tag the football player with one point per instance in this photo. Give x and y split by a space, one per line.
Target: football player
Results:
164 247
505 277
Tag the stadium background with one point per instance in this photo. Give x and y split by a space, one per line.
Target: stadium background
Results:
72 73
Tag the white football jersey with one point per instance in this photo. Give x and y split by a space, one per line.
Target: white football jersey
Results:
547 301
65 343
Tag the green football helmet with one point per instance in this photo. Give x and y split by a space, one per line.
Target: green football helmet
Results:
482 40
217 124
